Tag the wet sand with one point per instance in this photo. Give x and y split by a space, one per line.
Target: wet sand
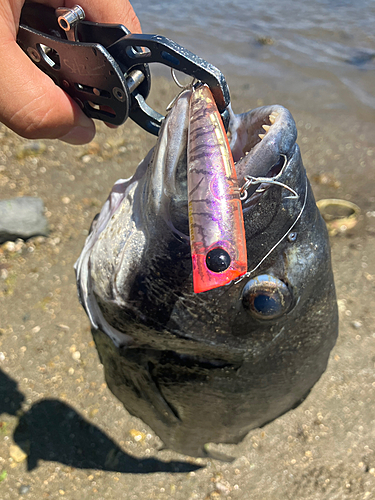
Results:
80 442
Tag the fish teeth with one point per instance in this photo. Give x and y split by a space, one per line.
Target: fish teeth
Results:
272 117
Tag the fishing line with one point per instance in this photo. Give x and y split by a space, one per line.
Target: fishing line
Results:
248 274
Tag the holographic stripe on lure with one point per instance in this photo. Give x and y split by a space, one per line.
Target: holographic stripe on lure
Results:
217 235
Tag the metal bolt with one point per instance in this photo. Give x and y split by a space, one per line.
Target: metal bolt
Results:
69 17
119 94
135 78
34 54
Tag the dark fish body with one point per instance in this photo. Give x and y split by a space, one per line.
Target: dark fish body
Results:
209 367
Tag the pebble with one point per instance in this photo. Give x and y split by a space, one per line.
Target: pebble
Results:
33 148
265 40
14 247
138 436
10 246
22 218
76 355
356 324
24 489
93 148
222 488
17 453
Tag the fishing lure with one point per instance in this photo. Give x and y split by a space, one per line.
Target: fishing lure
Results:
217 235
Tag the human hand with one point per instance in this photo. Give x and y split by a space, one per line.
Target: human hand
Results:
30 103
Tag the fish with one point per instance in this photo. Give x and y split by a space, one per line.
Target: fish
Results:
203 368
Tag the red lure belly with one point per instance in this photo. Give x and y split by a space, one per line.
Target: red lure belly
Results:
217 235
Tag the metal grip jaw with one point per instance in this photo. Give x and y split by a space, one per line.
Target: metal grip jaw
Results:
104 67
66 49
157 48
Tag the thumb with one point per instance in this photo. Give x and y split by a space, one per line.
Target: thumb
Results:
33 106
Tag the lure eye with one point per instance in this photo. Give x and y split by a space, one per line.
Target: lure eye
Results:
218 260
266 297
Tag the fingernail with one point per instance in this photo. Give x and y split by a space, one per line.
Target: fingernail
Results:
79 135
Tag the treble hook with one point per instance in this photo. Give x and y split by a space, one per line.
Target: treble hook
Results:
251 180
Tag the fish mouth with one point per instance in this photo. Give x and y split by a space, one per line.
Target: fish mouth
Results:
262 142
135 215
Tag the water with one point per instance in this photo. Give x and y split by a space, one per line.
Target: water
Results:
312 54
316 58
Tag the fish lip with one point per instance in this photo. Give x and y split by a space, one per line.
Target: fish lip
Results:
165 188
254 155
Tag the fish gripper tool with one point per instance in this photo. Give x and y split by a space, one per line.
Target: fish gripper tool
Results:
105 68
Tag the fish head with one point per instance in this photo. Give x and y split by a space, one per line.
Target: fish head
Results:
256 345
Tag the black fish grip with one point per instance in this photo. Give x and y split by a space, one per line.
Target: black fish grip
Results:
104 67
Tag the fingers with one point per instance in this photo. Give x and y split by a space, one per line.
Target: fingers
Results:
113 12
30 103
100 11
33 106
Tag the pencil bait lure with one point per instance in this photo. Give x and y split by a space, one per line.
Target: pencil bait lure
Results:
217 235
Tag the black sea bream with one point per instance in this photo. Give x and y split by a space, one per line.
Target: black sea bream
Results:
208 367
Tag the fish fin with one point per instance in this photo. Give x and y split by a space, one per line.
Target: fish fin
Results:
151 392
216 455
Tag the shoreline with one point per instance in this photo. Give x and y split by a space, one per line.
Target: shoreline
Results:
82 442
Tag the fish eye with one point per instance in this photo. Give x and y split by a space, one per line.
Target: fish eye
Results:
266 297
218 260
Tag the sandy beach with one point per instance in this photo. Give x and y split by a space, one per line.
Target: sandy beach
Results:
62 432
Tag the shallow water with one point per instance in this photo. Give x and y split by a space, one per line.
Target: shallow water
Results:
313 54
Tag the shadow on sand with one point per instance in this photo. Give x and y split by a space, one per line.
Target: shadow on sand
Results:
52 430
